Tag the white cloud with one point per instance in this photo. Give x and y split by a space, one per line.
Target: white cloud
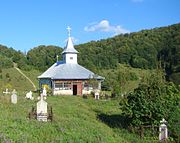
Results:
136 1
104 26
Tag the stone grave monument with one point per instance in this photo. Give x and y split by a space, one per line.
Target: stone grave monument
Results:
14 97
29 95
6 92
44 92
96 95
163 131
42 113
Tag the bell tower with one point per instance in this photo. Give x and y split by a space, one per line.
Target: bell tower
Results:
69 53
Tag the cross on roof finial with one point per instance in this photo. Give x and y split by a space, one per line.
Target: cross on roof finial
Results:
69 31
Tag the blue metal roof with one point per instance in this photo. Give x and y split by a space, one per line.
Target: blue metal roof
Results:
61 70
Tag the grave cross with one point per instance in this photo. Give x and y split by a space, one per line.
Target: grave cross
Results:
14 91
57 58
6 92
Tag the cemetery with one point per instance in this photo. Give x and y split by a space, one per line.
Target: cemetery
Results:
62 118
77 95
70 106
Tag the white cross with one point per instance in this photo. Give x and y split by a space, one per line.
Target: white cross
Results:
69 31
163 121
6 92
14 91
57 57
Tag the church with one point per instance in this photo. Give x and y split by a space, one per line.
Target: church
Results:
67 77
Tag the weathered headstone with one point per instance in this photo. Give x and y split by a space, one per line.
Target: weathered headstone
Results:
96 95
163 131
6 92
14 97
42 110
29 95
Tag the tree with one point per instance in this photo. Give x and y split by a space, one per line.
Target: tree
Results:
151 102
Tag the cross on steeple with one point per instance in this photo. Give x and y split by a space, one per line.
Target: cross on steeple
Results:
57 58
69 31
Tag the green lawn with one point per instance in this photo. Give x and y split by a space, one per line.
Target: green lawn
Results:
76 120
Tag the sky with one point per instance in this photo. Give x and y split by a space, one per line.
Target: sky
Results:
25 24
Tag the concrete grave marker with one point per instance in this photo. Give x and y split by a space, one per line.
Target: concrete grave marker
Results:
42 110
97 95
6 92
44 92
163 131
14 97
29 95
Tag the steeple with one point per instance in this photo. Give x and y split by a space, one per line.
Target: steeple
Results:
69 53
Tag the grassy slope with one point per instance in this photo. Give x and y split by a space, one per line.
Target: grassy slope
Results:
75 120
129 85
17 81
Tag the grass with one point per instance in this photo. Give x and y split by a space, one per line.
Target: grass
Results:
21 84
76 120
16 81
126 71
33 74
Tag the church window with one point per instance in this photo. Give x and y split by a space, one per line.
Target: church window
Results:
63 86
58 85
67 85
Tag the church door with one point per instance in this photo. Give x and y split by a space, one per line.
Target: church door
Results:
74 89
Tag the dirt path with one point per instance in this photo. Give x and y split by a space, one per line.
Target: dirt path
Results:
25 76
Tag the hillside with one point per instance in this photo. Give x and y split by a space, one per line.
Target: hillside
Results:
124 77
10 78
76 120
146 49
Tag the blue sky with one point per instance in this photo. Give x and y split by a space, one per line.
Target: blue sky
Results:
25 24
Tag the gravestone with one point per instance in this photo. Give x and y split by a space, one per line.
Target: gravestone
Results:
42 110
29 95
97 95
44 92
163 131
14 97
6 92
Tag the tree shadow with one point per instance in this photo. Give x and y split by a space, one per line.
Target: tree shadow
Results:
114 121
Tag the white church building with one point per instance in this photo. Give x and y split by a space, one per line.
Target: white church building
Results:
67 77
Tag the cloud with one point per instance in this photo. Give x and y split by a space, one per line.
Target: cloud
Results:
136 1
104 26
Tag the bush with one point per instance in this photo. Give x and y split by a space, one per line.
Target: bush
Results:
151 102
174 124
